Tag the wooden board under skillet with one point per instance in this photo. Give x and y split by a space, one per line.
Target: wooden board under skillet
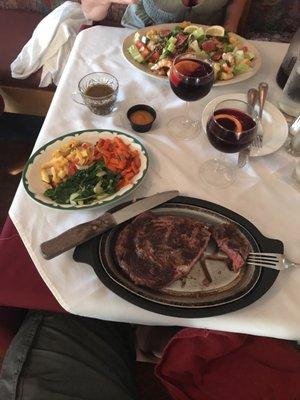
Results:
194 296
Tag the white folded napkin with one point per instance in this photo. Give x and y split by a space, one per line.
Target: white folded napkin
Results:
50 44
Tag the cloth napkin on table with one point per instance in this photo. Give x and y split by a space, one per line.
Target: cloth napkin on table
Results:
228 366
50 44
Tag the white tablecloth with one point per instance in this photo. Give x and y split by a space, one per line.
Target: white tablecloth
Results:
271 204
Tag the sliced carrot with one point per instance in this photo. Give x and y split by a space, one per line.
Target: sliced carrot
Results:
122 164
120 143
105 144
118 157
137 161
134 168
129 176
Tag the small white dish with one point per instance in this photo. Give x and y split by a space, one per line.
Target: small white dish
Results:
274 124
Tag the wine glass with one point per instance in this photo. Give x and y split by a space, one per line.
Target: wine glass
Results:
190 4
229 129
190 78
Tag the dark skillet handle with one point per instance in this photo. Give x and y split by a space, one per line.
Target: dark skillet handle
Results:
87 252
268 245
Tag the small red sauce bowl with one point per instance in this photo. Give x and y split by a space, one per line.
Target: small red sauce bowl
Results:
141 117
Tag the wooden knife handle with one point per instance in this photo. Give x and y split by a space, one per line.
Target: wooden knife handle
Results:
76 235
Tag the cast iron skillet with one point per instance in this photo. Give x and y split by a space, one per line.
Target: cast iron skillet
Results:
88 252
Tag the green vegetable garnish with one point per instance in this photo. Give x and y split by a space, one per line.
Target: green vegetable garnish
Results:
135 54
197 33
176 30
241 69
80 187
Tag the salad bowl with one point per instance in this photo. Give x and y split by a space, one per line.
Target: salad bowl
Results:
36 187
131 55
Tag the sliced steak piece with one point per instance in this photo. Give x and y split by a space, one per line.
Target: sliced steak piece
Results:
231 241
156 250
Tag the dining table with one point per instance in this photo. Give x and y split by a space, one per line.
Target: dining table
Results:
261 193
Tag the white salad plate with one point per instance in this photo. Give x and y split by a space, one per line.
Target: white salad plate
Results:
129 40
35 187
274 125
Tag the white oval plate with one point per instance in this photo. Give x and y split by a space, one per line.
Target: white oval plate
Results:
128 41
35 187
274 124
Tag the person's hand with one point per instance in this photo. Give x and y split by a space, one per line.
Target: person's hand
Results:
96 10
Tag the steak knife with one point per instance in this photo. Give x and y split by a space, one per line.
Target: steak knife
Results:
83 232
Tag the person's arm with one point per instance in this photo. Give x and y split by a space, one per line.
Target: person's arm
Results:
97 10
234 11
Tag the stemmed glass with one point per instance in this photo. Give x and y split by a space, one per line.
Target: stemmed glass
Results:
229 129
190 4
292 144
191 79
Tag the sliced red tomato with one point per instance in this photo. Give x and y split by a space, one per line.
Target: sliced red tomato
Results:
139 44
97 154
165 32
72 169
209 45
144 52
181 39
155 56
142 49
216 56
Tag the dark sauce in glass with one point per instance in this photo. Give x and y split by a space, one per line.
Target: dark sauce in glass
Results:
99 90
100 98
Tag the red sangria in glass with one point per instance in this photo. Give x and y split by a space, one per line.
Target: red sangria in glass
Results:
229 129
191 79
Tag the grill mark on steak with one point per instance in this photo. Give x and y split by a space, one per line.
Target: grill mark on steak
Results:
156 250
230 240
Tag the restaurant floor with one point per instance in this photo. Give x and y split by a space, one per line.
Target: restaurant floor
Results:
18 134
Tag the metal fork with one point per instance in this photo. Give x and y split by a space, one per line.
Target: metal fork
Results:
270 260
257 142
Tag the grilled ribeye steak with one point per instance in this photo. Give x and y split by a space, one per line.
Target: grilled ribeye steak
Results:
156 250
230 240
